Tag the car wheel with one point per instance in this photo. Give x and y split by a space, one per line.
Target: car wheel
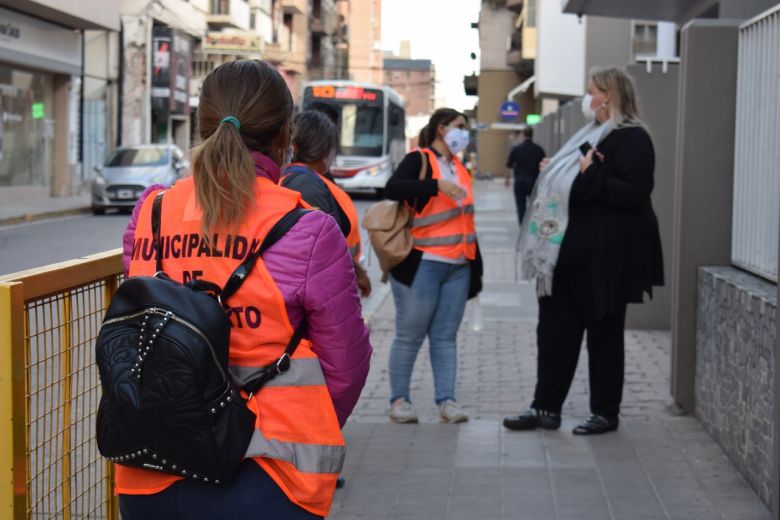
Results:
98 211
380 193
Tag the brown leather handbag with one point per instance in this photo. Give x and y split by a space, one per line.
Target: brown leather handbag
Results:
389 226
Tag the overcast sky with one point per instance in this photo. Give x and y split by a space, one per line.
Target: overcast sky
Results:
439 30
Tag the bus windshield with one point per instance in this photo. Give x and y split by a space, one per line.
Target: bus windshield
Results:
362 129
360 112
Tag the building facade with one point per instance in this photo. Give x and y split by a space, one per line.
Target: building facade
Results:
414 80
55 60
365 34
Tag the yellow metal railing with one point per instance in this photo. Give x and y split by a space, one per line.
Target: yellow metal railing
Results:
49 390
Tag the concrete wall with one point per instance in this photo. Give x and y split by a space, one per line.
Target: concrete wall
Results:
495 29
607 43
703 181
744 8
82 14
657 95
560 62
493 145
735 343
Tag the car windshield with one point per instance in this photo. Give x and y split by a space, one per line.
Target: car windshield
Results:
139 157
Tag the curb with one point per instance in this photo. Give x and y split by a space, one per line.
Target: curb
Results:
33 217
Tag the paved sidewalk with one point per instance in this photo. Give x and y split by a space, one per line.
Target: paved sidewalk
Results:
657 466
26 209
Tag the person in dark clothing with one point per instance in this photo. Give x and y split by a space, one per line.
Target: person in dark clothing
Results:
610 256
314 142
444 269
523 165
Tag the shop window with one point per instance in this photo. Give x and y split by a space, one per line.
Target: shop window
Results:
26 127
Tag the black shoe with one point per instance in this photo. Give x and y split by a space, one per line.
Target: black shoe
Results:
596 424
532 419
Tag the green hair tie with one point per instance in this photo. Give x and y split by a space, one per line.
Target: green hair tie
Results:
231 119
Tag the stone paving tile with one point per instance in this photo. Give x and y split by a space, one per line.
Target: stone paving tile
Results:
656 466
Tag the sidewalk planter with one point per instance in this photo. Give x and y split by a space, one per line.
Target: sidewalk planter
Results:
735 344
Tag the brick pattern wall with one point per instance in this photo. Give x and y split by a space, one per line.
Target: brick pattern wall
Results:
735 342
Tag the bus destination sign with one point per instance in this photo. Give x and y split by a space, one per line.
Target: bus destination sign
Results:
345 93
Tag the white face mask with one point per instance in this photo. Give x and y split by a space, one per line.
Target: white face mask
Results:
587 111
456 139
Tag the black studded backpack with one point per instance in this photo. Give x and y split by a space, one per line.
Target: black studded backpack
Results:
168 401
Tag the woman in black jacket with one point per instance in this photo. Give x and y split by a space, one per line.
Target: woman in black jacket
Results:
431 286
610 255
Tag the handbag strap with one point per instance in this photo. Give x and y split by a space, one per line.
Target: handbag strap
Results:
423 172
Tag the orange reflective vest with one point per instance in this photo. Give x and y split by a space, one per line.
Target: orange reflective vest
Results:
345 203
297 439
349 209
445 227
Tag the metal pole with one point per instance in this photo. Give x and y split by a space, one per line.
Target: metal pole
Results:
13 464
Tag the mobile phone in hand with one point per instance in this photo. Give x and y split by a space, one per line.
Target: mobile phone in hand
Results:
585 148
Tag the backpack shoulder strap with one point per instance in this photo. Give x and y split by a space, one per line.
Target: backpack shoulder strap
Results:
278 231
156 215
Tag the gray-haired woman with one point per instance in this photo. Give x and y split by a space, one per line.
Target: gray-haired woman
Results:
592 244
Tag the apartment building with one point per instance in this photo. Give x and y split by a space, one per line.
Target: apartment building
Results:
415 82
364 19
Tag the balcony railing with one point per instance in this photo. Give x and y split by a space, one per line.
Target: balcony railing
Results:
229 14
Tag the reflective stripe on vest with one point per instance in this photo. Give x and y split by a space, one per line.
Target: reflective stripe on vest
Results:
302 372
308 458
444 215
444 241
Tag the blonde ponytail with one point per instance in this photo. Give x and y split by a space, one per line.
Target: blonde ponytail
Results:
224 176
245 106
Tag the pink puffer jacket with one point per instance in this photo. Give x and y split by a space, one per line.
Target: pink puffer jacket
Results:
313 270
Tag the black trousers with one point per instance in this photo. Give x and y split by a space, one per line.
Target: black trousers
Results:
562 324
523 188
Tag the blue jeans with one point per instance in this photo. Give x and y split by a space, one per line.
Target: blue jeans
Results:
432 306
250 494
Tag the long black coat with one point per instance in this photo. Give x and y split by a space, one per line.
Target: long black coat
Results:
611 253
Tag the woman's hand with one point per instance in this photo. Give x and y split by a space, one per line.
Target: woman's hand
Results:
451 190
363 282
543 164
586 160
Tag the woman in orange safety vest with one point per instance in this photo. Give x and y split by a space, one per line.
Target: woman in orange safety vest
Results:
432 284
315 140
209 223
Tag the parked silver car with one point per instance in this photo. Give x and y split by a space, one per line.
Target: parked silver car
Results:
129 171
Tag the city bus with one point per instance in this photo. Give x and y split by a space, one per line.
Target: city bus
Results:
371 130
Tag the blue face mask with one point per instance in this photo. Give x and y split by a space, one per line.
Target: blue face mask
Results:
457 139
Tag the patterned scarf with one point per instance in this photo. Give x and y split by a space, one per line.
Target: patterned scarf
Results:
547 219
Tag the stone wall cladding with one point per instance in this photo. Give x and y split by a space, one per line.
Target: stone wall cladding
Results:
735 342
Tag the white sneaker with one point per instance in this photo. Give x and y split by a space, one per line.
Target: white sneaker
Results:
401 411
450 412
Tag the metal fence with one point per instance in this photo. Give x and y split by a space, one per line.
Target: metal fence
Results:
756 216
49 390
